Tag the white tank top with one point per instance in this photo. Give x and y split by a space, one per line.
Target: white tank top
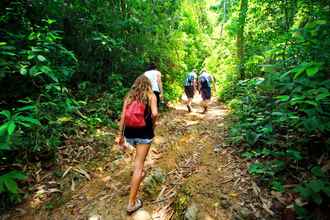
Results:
152 76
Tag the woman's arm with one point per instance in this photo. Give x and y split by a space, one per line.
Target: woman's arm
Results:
121 124
154 109
160 84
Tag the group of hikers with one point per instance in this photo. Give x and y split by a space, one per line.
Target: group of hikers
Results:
203 84
139 115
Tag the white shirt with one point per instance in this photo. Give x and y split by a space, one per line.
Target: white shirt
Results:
152 76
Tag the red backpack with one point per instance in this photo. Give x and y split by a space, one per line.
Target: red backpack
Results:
134 115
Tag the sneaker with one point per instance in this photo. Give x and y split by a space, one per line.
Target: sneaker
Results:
138 204
205 110
189 108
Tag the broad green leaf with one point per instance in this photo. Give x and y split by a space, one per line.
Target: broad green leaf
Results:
34 71
49 72
27 108
316 185
28 119
248 155
64 119
304 192
17 175
311 123
4 128
294 154
317 171
283 75
36 49
4 146
277 113
11 185
24 124
53 77
312 70
256 168
277 186
46 69
311 102
50 21
25 101
11 127
283 98
296 99
23 71
251 137
41 58
300 69
277 165
8 48
6 113
7 53
322 96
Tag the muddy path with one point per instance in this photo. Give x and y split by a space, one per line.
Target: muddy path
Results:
190 175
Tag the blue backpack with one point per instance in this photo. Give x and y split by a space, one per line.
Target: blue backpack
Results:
190 79
204 82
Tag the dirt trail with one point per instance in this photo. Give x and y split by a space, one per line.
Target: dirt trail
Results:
188 166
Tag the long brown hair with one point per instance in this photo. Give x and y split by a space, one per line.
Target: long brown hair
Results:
140 91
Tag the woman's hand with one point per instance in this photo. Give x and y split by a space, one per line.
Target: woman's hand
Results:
119 140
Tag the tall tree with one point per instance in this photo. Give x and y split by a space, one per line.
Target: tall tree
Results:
240 37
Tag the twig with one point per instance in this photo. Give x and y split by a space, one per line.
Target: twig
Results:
66 172
226 181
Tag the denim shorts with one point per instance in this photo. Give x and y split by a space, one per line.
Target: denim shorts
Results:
135 141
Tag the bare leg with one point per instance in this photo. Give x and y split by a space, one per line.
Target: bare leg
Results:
138 173
205 105
189 101
189 104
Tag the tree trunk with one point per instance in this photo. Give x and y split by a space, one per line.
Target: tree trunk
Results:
240 38
224 17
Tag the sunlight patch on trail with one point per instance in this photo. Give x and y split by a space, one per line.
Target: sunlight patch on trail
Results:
215 111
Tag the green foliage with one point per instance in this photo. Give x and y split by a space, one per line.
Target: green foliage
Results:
13 122
281 101
313 190
290 153
8 183
182 201
270 168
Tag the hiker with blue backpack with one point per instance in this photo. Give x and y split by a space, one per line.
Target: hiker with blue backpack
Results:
136 127
190 87
205 83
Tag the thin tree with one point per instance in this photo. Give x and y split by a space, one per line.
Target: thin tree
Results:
240 37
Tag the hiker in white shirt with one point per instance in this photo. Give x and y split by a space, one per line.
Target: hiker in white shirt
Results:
155 78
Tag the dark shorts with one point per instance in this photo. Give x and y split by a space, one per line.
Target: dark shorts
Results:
206 93
190 91
157 94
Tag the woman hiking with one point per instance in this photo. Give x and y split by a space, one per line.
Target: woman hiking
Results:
155 78
136 127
